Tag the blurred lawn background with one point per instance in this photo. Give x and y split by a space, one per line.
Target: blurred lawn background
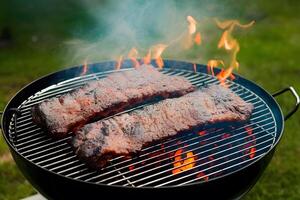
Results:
32 34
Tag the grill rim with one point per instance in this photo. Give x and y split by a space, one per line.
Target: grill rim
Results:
76 70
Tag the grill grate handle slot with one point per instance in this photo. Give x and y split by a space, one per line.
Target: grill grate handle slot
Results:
294 93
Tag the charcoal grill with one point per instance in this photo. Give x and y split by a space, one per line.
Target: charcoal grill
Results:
228 160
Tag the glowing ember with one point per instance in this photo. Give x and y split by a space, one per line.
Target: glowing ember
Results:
119 63
249 130
252 141
155 154
185 164
201 133
192 24
225 135
198 39
85 68
203 176
157 50
147 58
177 162
252 152
131 167
132 55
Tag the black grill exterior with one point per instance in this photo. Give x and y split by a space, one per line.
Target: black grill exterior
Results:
228 160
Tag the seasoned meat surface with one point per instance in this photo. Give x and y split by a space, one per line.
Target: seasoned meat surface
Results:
126 134
107 96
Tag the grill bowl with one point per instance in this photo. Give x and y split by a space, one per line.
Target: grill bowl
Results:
55 171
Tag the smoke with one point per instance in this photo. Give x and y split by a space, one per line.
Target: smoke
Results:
120 25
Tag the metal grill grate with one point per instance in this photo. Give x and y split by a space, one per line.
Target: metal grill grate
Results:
217 151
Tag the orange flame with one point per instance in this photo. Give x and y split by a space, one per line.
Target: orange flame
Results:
198 39
160 62
157 50
132 55
119 63
224 73
147 58
183 165
224 41
232 77
192 24
84 68
227 42
195 67
232 23
188 39
231 45
213 63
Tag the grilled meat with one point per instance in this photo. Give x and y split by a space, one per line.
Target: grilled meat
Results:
107 96
126 134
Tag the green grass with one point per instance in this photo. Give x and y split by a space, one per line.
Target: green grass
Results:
269 56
